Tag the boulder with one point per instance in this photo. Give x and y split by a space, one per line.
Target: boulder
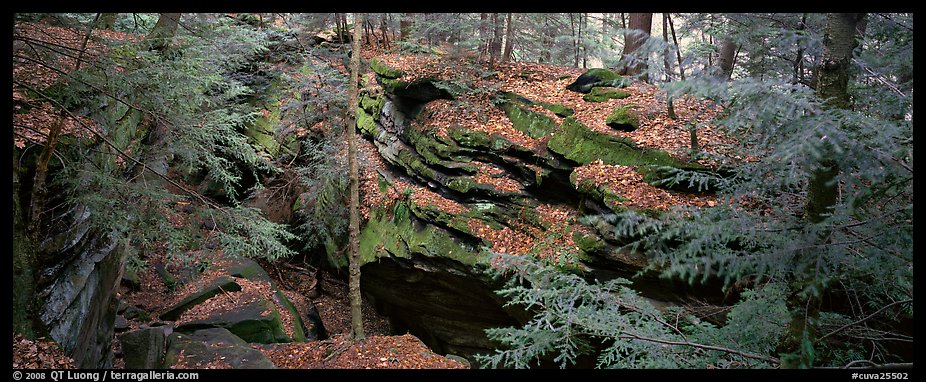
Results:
597 77
219 284
144 348
213 346
257 321
600 94
623 119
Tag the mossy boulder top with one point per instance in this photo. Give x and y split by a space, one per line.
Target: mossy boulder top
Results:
596 77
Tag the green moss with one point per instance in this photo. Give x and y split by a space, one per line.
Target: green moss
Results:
397 236
587 243
366 123
381 69
432 150
623 119
533 124
558 109
480 140
597 77
578 143
372 105
415 166
462 184
298 333
599 94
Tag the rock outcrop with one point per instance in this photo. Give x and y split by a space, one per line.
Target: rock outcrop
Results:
424 259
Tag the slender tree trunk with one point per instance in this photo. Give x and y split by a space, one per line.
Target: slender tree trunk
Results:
484 38
631 63
509 39
798 75
840 38
670 108
356 318
546 42
678 50
39 187
384 29
575 40
584 45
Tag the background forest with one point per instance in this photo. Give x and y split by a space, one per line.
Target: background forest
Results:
708 191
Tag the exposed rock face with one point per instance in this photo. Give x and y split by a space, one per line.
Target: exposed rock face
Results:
423 263
79 305
144 348
439 300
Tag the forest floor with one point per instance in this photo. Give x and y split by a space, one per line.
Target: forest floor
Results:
542 83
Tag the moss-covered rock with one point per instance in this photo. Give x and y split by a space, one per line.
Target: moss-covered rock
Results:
597 77
480 140
623 119
421 90
366 124
532 123
588 243
558 109
383 70
578 143
396 235
258 321
216 286
599 94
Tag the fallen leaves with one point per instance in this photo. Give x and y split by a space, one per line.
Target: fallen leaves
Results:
628 183
374 352
39 354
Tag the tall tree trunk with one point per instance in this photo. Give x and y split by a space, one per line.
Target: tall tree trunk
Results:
840 38
670 108
641 23
509 39
546 41
575 40
356 318
495 48
798 75
384 29
405 26
163 31
678 50
484 39
107 20
725 58
584 45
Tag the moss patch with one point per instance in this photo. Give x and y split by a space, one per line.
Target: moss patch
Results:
381 69
397 236
578 143
534 124
599 94
366 123
558 109
480 140
597 77
623 119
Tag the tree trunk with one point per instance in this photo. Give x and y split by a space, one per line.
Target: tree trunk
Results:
356 318
631 64
678 50
484 34
384 29
546 42
495 48
163 31
107 20
405 26
509 39
798 74
725 58
39 189
840 38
